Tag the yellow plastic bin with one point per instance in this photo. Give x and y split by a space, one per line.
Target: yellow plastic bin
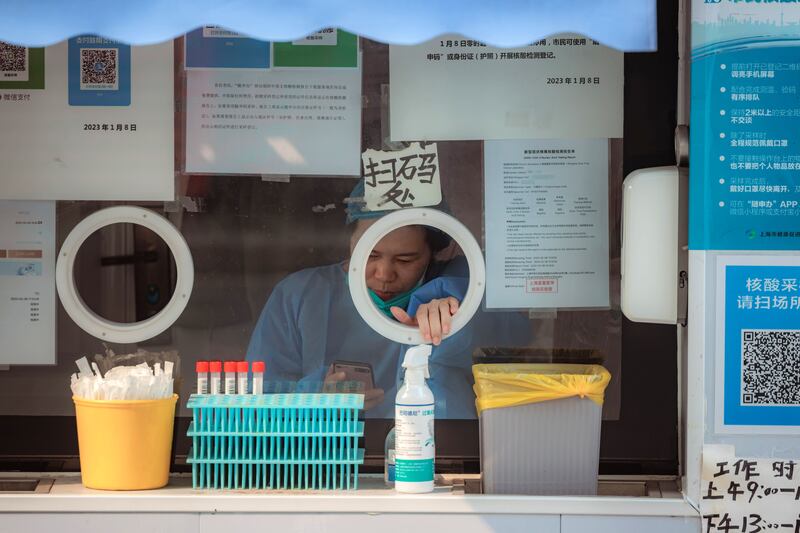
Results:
540 427
125 444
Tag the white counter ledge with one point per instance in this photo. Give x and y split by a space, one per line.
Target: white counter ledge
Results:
67 495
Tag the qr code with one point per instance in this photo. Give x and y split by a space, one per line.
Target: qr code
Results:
99 68
771 367
13 59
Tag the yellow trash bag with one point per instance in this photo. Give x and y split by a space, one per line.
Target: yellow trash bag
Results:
509 385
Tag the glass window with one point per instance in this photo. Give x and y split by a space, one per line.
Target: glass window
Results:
270 254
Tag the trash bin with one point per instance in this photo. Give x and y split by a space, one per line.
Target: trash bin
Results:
540 427
125 444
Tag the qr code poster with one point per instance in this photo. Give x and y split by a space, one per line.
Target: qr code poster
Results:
403 178
13 62
99 72
21 67
99 69
760 372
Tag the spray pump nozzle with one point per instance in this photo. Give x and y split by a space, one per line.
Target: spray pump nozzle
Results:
417 359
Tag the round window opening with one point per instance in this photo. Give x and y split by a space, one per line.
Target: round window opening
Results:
374 291
125 273
142 304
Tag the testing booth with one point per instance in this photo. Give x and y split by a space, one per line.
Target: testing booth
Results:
510 266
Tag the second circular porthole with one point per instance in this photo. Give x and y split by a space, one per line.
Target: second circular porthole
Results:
103 328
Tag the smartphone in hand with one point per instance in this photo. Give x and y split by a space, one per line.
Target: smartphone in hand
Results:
356 371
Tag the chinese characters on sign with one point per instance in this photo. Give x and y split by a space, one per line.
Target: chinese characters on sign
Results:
759 338
546 224
741 495
301 121
453 88
769 293
746 128
404 178
16 97
288 109
242 105
468 52
118 127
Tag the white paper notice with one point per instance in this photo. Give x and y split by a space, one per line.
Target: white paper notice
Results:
93 120
451 88
403 178
27 283
546 220
274 122
748 495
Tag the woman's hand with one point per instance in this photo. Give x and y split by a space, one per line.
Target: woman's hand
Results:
434 318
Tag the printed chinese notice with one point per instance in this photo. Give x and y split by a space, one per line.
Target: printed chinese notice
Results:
546 220
748 495
301 121
454 88
745 192
27 282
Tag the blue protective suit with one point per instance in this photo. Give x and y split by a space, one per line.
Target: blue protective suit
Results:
309 321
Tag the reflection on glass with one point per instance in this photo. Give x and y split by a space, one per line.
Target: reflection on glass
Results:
124 273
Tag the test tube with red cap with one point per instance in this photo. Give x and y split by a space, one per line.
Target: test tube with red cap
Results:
215 367
230 377
241 376
201 367
258 377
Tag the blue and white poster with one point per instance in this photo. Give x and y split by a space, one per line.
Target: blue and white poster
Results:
758 340
216 47
745 142
99 72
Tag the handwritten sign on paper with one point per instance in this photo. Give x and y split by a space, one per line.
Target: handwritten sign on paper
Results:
740 495
403 178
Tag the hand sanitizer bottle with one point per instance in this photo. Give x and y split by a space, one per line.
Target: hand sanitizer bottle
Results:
413 407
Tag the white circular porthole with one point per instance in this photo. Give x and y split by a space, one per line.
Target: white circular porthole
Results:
391 329
98 326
